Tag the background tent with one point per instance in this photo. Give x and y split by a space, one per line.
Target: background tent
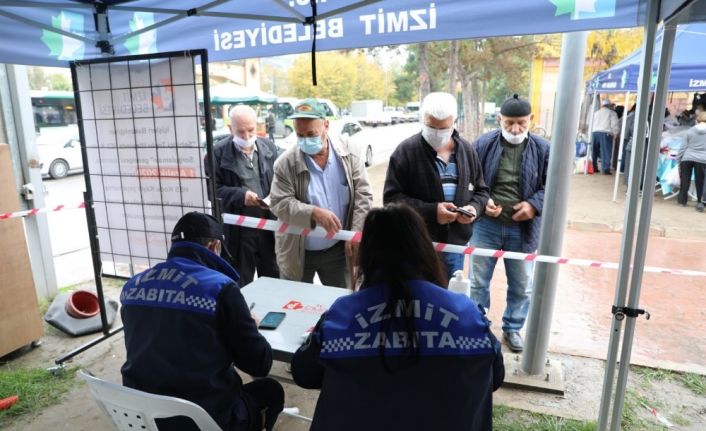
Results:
688 71
48 35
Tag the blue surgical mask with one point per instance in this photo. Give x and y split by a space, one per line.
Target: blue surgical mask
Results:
310 145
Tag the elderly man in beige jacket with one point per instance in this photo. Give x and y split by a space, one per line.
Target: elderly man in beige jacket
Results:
319 182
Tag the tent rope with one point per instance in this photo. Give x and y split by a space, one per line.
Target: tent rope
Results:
311 20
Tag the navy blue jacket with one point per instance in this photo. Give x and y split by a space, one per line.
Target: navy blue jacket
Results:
533 177
448 387
186 325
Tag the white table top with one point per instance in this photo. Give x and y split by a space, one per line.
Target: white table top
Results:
303 302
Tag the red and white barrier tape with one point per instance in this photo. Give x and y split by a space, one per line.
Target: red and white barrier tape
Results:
35 211
346 235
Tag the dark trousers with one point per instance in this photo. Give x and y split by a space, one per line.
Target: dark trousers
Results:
255 250
265 401
685 169
602 144
330 264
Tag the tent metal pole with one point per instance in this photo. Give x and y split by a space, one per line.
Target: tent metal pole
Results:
345 9
626 251
556 199
289 9
21 135
589 138
643 228
621 162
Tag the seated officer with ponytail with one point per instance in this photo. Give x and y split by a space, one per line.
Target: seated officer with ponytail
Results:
402 353
186 326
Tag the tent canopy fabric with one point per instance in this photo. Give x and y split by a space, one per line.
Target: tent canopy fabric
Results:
688 72
235 94
53 32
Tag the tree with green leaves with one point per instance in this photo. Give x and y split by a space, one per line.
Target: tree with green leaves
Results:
341 76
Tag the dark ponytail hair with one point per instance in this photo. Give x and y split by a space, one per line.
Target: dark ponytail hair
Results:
396 248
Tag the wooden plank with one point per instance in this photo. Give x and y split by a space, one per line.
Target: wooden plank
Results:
20 321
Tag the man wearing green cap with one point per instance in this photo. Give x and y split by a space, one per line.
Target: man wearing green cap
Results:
318 182
515 168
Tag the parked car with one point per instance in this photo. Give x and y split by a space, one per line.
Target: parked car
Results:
370 112
348 129
411 112
59 158
396 114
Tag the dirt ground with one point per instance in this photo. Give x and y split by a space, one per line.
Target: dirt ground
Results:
579 333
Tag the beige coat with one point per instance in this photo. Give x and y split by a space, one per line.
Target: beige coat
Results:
289 202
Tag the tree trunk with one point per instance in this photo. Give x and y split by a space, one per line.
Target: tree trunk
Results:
424 78
472 123
453 66
482 99
466 101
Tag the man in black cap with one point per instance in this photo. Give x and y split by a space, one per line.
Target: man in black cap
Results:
515 168
187 325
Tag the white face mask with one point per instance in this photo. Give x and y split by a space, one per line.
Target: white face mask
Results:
244 144
514 139
437 138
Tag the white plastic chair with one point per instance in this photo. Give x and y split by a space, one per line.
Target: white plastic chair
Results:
133 410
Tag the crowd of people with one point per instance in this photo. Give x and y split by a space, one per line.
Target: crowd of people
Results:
689 126
439 187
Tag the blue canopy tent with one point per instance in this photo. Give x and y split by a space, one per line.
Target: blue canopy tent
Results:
687 73
53 32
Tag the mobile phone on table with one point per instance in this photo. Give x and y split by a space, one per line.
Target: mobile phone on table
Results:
463 211
272 320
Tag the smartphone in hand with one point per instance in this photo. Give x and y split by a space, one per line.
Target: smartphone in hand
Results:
263 203
463 211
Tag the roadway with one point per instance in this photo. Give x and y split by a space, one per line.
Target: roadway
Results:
68 228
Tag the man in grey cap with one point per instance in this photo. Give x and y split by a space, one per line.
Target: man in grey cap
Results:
318 182
515 168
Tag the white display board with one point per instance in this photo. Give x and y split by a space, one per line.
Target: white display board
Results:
141 123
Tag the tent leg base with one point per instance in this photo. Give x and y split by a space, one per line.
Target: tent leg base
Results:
549 382
87 346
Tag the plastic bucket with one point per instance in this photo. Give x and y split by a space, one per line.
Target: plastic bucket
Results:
82 304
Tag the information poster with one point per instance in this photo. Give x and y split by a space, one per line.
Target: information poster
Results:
141 128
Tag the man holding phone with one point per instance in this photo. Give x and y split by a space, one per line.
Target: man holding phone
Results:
243 175
438 173
515 167
187 326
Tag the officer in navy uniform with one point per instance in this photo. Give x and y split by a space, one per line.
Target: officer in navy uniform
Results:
187 325
402 352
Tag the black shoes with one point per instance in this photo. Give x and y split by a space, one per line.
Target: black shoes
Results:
700 207
514 341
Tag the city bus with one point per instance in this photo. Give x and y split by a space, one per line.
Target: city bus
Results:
54 112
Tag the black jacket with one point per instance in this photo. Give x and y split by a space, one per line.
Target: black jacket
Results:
448 387
186 325
230 186
412 178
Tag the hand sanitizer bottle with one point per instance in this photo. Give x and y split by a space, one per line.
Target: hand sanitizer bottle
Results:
458 284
